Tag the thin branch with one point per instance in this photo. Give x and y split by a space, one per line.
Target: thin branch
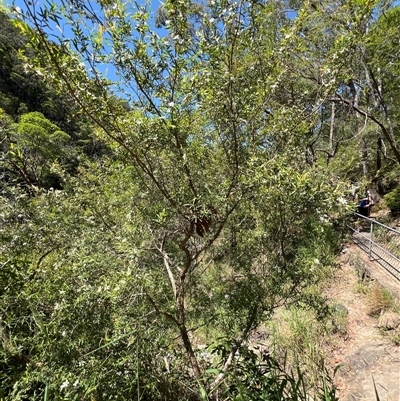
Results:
159 311
94 210
168 267
97 121
384 130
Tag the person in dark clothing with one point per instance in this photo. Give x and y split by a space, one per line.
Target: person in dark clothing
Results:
364 204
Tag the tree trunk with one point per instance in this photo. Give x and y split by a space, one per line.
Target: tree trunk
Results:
378 155
331 150
378 174
363 143
364 153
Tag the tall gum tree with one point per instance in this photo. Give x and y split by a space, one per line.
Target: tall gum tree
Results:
330 46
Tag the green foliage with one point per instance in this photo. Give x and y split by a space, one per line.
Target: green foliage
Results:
392 199
33 149
257 376
23 90
297 336
90 302
5 123
77 301
381 42
203 218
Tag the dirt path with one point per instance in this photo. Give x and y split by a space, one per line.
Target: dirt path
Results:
364 353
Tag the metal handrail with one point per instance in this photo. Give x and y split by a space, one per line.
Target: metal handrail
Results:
382 255
381 248
377 222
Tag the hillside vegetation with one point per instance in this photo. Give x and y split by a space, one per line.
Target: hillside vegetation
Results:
170 179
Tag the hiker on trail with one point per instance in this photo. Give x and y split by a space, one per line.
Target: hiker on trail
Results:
364 204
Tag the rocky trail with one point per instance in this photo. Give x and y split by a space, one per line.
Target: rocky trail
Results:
367 354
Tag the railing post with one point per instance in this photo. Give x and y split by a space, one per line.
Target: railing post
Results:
383 256
370 241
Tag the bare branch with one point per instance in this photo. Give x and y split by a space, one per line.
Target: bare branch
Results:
166 260
386 133
159 311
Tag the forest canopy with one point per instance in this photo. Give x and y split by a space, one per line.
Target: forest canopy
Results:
172 177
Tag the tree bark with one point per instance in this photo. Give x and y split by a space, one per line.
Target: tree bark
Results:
378 154
331 150
379 166
363 142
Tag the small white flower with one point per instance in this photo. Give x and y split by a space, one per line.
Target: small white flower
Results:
64 384
171 104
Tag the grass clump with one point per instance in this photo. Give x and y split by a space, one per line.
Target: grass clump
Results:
379 300
297 336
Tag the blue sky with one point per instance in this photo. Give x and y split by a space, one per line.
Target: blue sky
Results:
65 31
155 4
20 3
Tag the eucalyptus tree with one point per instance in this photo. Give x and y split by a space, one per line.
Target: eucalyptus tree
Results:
196 227
361 86
363 89
332 46
382 67
369 94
